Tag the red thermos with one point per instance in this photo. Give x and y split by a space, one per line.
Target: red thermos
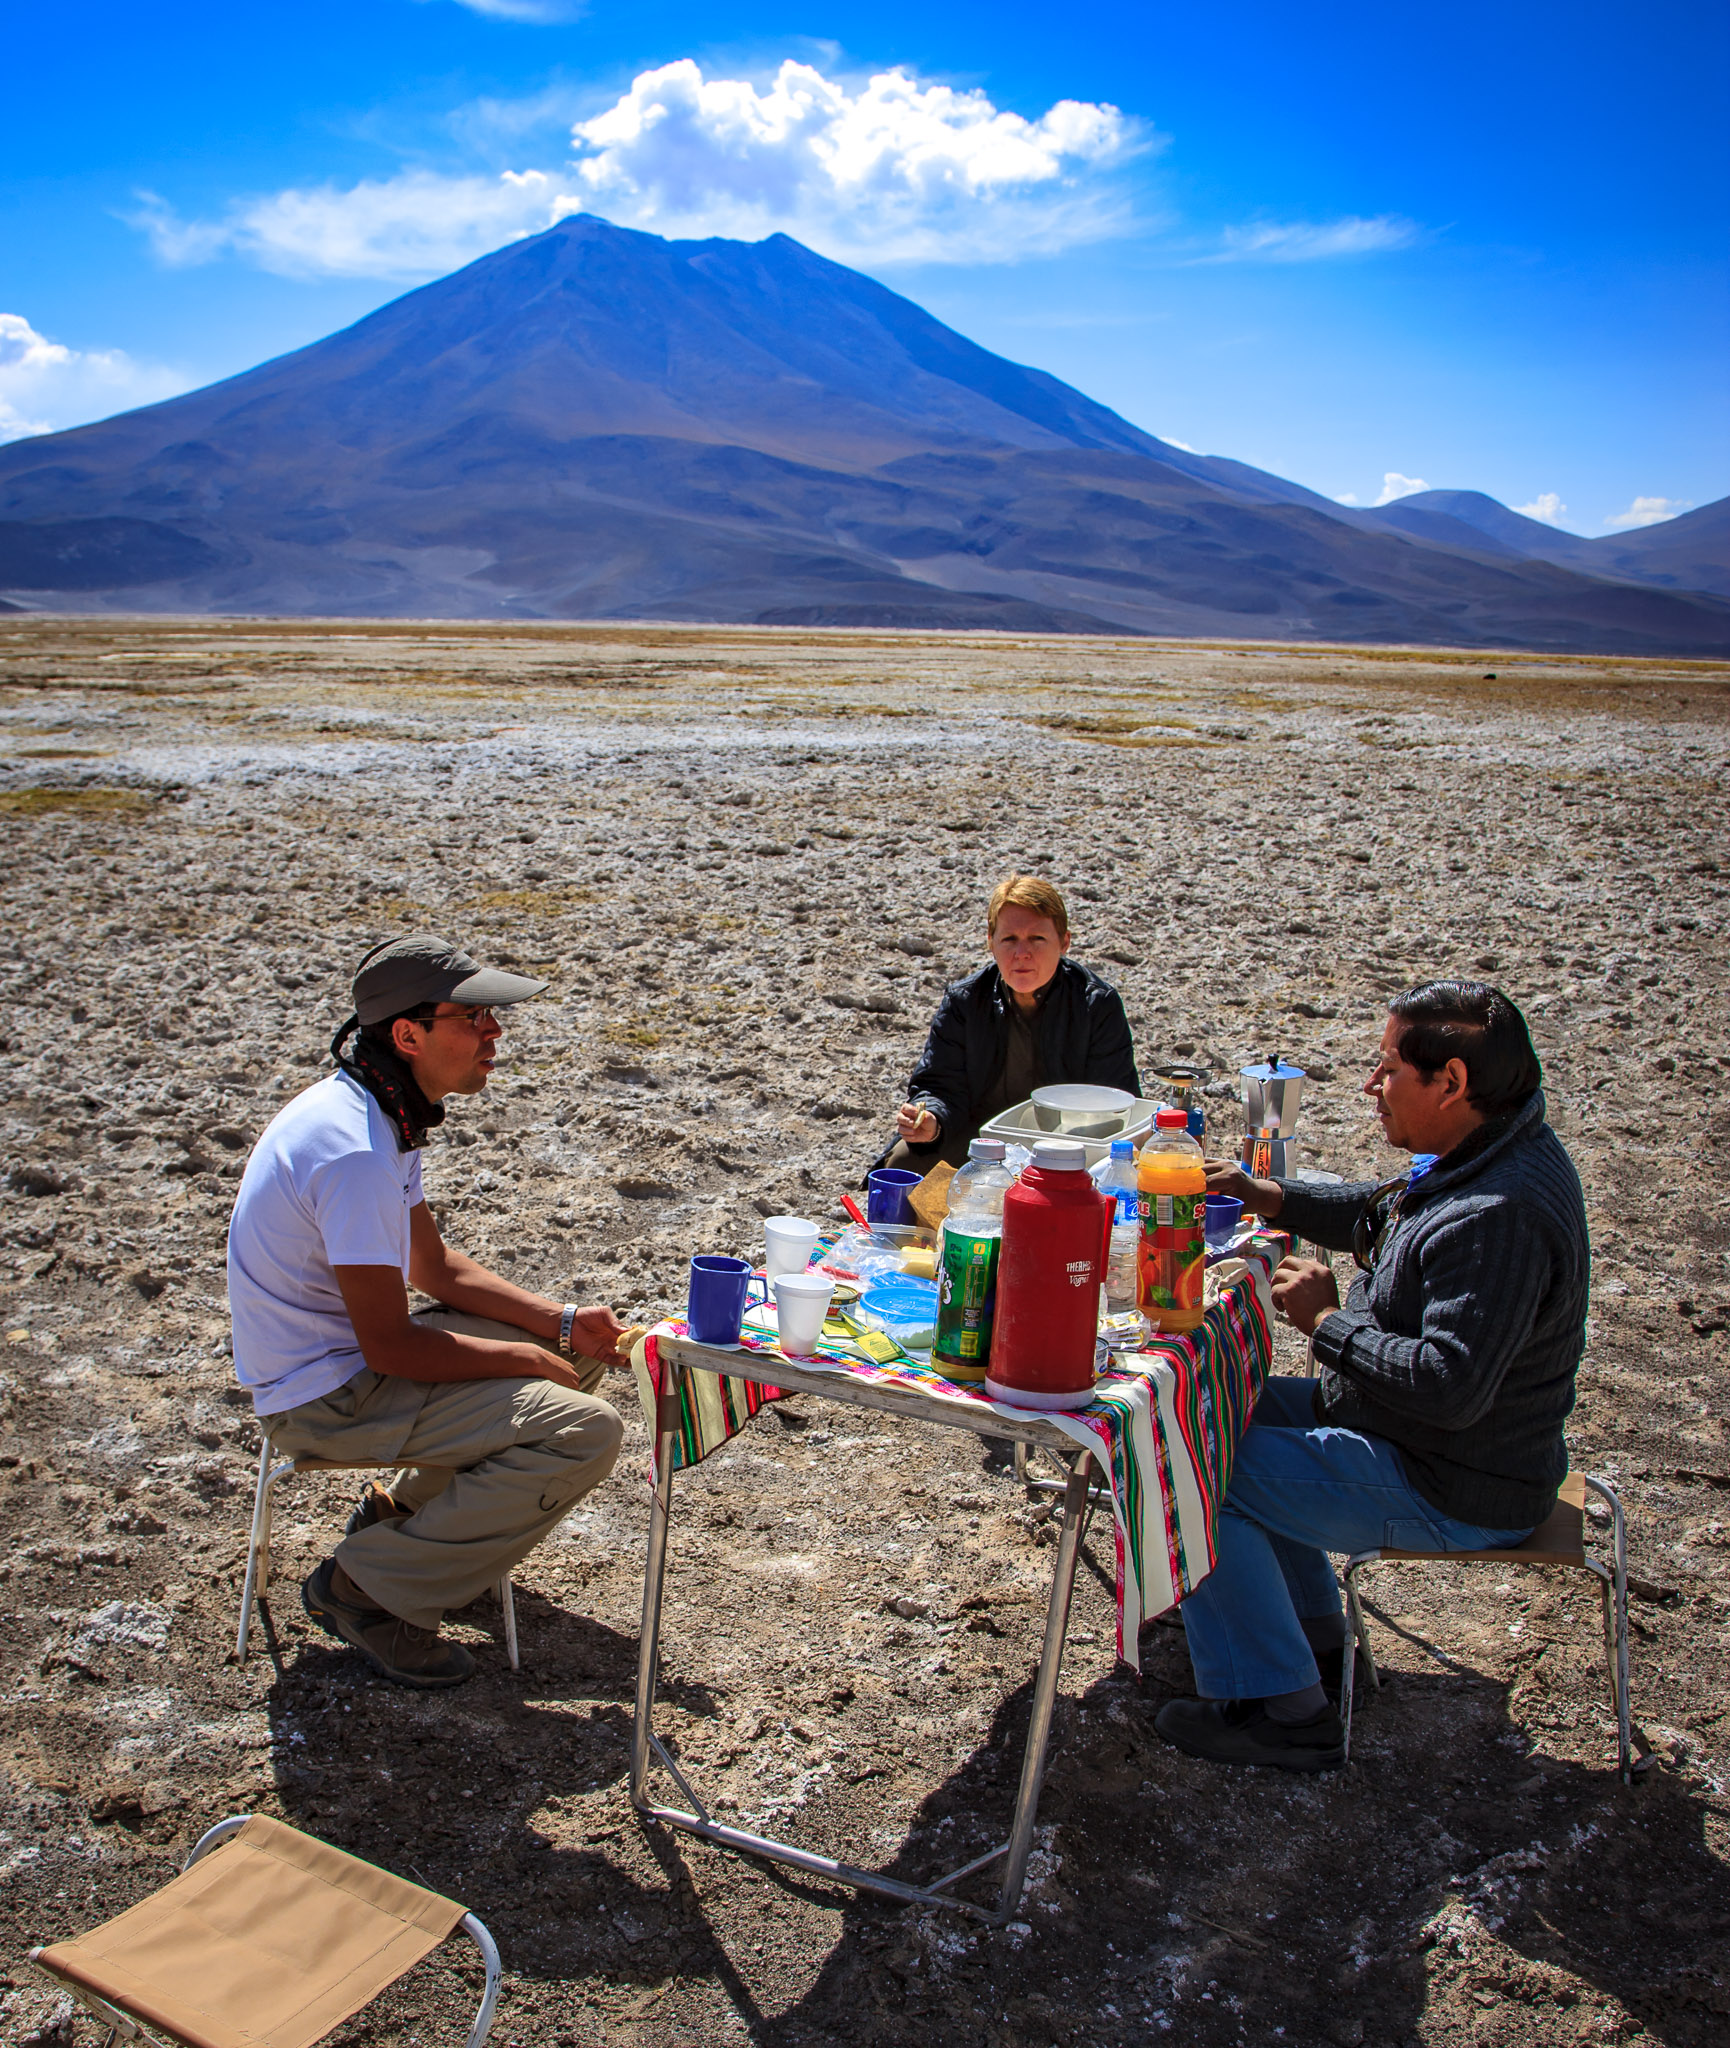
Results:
1055 1224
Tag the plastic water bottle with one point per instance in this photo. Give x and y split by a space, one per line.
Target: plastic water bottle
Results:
1117 1183
967 1256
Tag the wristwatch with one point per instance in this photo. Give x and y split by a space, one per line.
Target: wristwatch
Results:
567 1317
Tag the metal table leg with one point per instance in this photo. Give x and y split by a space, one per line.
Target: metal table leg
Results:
1013 1853
1044 1692
654 1576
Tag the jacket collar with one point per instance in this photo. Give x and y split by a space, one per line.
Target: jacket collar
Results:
1469 1158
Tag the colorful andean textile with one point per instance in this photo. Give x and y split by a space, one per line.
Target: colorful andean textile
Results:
1164 1424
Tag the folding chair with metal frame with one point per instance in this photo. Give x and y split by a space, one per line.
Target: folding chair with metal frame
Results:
258 1550
1557 1544
273 1946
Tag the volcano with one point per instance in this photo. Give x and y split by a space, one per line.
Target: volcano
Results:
598 424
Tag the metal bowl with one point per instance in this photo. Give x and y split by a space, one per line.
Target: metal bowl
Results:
1078 1109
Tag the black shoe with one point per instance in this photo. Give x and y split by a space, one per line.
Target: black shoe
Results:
1241 1732
409 1655
1332 1666
376 1504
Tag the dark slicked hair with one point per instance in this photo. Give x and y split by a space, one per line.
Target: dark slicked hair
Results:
1472 1022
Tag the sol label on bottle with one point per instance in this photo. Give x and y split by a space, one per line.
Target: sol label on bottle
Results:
1173 1251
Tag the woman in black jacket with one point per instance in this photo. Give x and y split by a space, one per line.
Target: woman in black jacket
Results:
1030 1018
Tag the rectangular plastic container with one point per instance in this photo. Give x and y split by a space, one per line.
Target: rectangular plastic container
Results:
1018 1125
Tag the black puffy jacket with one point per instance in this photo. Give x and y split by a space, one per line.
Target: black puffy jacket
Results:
1080 1030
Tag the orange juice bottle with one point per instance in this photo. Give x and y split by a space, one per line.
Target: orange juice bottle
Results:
1172 1187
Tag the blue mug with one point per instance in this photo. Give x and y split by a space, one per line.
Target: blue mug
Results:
886 1195
1220 1219
720 1289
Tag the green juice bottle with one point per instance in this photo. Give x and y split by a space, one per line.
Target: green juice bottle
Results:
967 1262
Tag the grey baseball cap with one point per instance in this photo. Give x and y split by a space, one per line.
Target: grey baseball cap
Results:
399 974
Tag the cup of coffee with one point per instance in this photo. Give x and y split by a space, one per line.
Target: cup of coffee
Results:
887 1195
801 1303
720 1288
790 1241
1220 1220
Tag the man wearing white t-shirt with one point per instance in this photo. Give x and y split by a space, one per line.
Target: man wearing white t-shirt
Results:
489 1399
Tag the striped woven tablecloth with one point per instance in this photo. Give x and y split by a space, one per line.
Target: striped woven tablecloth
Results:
1164 1424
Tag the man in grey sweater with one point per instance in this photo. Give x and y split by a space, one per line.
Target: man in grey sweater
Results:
1444 1378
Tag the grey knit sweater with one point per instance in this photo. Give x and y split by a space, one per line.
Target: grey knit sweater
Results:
1461 1346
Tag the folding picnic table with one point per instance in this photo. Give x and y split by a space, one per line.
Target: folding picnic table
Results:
1237 1353
679 1355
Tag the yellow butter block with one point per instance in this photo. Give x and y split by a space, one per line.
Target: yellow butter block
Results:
922 1264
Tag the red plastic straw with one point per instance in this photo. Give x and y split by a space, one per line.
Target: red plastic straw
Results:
853 1209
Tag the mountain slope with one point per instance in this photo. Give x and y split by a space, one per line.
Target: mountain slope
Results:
598 423
1689 552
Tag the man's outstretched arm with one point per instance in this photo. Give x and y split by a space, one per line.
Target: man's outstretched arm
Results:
465 1284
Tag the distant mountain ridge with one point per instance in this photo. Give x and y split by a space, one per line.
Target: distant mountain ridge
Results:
595 423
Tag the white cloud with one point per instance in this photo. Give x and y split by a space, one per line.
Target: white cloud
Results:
1346 498
1396 486
1314 241
1547 506
541 12
895 171
417 225
45 386
1647 512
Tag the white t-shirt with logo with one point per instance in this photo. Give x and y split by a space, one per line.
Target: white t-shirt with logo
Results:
327 1185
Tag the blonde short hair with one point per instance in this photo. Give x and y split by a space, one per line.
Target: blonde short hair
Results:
1027 892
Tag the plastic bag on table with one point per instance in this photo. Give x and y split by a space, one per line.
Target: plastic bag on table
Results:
865 1255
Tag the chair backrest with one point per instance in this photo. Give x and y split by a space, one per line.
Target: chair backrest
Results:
270 1941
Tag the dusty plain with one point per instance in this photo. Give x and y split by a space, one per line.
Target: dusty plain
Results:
748 861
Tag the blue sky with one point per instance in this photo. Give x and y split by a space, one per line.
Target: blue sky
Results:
1366 248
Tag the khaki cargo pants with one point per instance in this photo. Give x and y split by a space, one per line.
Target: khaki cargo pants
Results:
490 1467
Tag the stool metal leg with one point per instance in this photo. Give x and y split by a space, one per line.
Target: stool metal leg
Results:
258 1548
1615 1586
508 1604
1357 1637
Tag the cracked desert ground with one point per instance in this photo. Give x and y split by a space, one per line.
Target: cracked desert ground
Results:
748 860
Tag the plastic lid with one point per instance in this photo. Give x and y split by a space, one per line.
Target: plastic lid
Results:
1123 1148
1171 1120
1060 1155
987 1148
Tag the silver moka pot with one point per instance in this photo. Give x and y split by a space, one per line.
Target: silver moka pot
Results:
1271 1094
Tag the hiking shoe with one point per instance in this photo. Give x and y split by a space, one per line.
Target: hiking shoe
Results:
1241 1732
1332 1666
409 1655
376 1504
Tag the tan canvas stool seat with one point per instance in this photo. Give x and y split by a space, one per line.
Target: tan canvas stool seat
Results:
257 1587
272 1941
1558 1544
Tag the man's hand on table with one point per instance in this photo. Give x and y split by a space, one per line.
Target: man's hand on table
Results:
916 1125
1263 1198
1304 1290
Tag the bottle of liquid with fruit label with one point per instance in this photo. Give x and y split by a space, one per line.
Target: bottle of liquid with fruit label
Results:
1172 1185
967 1253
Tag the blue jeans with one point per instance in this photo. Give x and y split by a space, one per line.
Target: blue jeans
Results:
1299 1489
